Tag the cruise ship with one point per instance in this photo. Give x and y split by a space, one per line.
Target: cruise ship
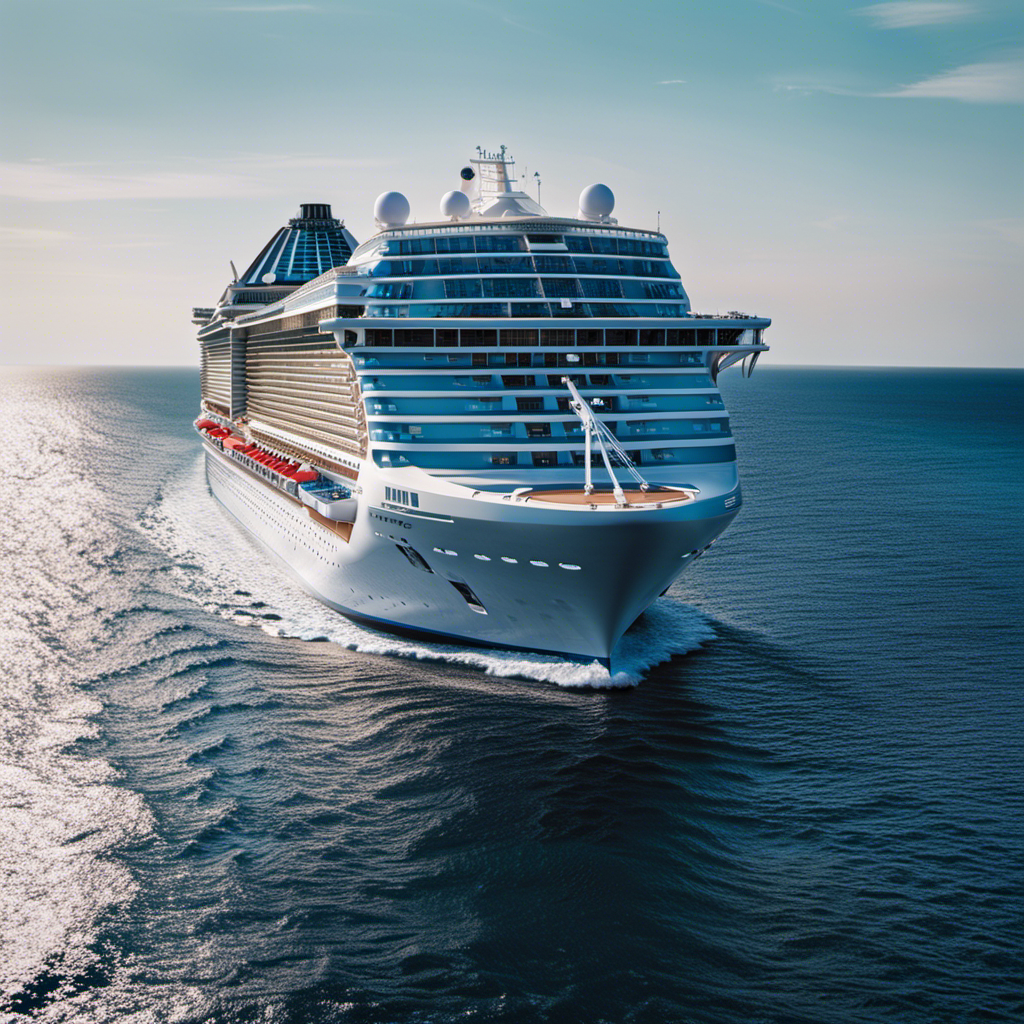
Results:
491 427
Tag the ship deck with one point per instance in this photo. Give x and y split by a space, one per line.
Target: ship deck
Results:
578 496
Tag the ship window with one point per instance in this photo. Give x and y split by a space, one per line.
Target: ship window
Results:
558 287
538 563
544 239
590 337
522 309
705 336
529 404
415 246
518 338
511 561
478 339
652 337
570 566
499 243
553 264
447 338
504 459
596 288
461 288
680 337
483 558
510 288
545 458
378 338
474 602
455 243
557 337
419 338
615 336
538 429
514 381
577 243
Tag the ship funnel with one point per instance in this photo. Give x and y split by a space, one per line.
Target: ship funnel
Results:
315 211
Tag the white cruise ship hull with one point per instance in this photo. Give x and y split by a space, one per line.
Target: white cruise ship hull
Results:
521 576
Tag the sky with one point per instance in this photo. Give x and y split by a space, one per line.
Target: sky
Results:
853 171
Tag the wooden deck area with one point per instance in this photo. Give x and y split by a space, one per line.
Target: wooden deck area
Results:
343 530
605 496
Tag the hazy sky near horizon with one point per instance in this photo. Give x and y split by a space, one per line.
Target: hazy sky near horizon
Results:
854 171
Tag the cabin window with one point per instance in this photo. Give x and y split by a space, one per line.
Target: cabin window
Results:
478 339
519 338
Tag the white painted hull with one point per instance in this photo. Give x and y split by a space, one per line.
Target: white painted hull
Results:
625 559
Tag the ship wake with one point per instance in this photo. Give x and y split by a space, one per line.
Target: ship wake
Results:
217 565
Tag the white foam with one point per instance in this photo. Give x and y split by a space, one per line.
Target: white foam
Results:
215 558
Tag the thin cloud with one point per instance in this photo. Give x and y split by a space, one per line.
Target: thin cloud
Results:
32 238
780 6
833 222
992 82
267 8
56 183
916 13
245 177
673 81
1010 229
997 81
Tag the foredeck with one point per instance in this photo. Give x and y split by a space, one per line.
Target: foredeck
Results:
654 496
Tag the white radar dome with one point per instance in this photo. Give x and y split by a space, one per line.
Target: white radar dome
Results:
391 209
597 201
455 204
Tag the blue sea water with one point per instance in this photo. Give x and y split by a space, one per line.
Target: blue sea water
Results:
803 801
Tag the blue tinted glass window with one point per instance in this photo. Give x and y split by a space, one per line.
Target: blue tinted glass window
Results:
561 287
455 243
601 289
511 287
553 264
462 289
499 243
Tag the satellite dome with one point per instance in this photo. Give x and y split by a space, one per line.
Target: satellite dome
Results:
455 204
597 201
391 209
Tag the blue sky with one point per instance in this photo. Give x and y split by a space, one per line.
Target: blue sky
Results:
854 171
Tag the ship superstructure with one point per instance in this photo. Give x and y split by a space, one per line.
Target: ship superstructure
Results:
517 414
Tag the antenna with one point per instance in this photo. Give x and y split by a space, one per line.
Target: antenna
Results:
536 175
234 273
659 222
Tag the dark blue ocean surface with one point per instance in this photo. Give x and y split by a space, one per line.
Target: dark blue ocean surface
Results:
219 802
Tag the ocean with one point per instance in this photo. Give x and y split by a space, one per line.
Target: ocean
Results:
800 798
